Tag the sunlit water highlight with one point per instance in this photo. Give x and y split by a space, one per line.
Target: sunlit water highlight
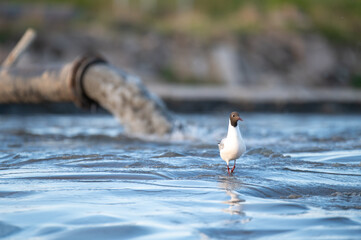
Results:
81 177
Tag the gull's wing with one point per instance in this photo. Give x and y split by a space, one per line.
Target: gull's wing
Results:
221 144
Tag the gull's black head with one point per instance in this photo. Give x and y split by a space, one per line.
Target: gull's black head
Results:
234 117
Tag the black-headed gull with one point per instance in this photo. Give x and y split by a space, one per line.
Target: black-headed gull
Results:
232 147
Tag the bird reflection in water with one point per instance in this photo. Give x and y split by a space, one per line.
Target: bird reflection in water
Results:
235 206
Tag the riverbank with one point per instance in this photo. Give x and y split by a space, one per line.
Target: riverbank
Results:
285 99
282 46
190 99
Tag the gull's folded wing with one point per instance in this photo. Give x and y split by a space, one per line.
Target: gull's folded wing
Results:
221 144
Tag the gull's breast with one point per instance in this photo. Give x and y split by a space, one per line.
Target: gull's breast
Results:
232 150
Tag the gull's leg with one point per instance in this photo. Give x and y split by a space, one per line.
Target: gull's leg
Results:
228 169
234 166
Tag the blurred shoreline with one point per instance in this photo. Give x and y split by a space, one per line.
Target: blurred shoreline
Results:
293 56
259 99
190 99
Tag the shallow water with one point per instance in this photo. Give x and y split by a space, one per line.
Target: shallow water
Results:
81 177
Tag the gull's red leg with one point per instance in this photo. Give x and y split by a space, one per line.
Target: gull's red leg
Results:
228 169
234 166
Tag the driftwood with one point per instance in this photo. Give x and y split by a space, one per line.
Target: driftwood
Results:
127 98
86 81
90 81
19 49
24 86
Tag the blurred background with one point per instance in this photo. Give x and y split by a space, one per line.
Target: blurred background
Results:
286 51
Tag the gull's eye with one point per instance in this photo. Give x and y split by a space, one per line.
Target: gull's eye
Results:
233 115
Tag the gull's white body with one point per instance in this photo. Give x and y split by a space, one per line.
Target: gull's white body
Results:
233 146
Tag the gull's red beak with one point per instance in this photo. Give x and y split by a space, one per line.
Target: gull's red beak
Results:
240 119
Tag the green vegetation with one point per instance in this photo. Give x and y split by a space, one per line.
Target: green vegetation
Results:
337 20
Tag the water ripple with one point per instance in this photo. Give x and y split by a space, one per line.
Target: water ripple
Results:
81 177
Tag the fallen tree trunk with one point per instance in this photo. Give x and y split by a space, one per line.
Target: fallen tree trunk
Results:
127 98
86 81
24 86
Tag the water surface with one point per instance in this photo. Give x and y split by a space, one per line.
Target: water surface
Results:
81 177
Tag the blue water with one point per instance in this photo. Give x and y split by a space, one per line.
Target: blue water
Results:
82 177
